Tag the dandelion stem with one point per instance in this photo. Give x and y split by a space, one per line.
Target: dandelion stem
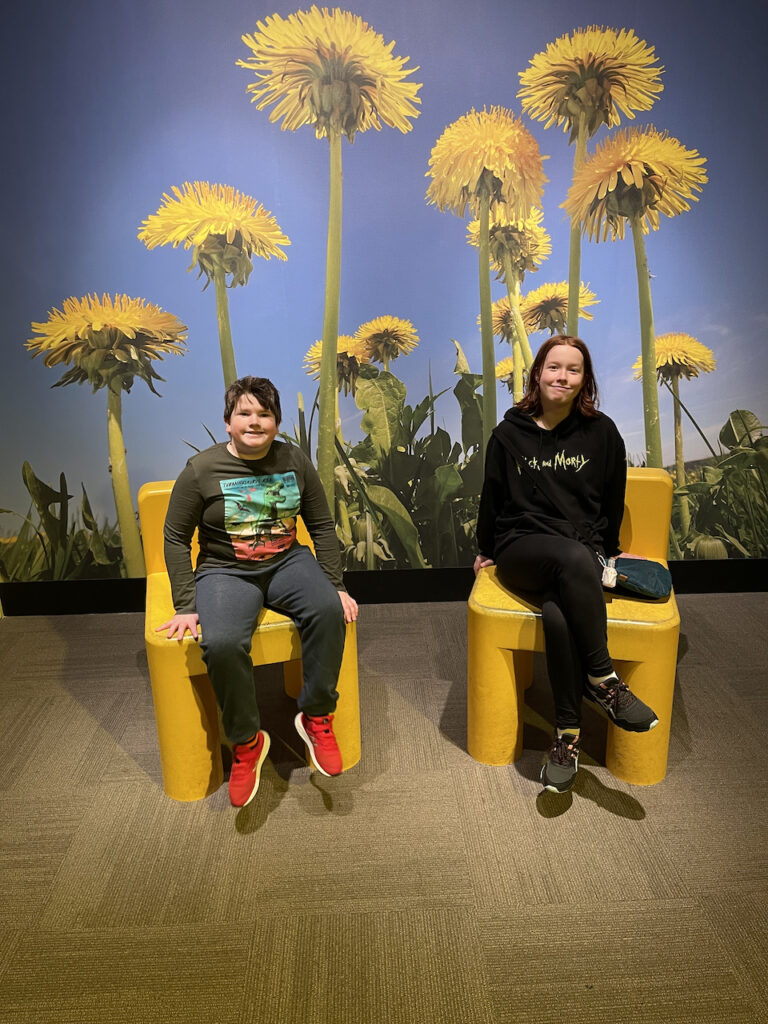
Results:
688 413
121 487
685 513
431 401
486 323
574 258
517 371
513 292
225 331
303 438
326 428
370 555
647 348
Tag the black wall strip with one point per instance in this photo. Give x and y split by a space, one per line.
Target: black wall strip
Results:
78 597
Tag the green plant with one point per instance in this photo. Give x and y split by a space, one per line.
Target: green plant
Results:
728 497
53 548
408 494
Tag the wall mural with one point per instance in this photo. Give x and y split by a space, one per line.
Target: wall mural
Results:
398 410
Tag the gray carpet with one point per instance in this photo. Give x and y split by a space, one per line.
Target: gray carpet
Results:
418 887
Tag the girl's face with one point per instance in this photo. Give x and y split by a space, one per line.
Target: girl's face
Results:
561 377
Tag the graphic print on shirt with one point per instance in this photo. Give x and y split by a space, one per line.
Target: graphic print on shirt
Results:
260 514
560 461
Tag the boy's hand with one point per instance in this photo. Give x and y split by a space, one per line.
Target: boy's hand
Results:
349 604
179 624
481 562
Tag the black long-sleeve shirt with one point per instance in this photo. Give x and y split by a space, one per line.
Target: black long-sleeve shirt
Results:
583 463
245 511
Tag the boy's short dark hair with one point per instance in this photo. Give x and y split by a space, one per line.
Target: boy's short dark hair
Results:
262 389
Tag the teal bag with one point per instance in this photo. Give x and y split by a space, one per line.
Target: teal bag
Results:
643 578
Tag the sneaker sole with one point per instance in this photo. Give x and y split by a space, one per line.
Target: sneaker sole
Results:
257 773
626 726
309 744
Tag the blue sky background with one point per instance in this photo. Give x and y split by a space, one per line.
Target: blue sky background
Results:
108 105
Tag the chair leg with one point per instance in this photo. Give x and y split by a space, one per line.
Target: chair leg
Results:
496 681
187 722
293 679
641 758
346 724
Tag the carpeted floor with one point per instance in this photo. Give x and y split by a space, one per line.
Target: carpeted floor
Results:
418 887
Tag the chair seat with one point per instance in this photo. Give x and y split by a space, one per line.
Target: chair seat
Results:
275 638
490 597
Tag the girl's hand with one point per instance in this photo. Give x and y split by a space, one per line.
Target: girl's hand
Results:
481 562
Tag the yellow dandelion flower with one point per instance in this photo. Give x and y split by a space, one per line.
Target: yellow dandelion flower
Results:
330 69
524 240
386 338
635 173
505 368
350 355
492 150
510 371
107 341
678 355
502 321
595 71
222 224
546 307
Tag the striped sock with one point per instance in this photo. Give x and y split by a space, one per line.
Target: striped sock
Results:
569 730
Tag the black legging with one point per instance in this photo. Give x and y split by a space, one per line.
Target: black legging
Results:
564 576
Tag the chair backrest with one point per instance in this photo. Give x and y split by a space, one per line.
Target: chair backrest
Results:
644 529
153 505
647 512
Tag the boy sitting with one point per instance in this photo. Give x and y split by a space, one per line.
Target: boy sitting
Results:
244 497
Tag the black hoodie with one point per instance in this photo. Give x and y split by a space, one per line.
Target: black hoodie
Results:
584 467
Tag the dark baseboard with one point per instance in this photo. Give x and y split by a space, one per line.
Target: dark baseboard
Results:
81 597
73 597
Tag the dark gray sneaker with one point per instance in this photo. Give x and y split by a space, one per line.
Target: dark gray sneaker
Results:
621 705
559 770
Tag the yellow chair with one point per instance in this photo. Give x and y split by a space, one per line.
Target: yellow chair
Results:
504 630
185 706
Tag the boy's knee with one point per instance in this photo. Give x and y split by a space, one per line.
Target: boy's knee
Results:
328 611
223 645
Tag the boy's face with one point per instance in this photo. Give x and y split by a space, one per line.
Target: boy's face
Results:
251 428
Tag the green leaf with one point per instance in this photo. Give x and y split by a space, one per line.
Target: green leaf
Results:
398 518
742 425
462 365
364 453
382 398
54 527
434 492
471 405
88 517
732 540
472 475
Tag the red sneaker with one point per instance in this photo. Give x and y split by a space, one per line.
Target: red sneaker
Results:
246 769
317 733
